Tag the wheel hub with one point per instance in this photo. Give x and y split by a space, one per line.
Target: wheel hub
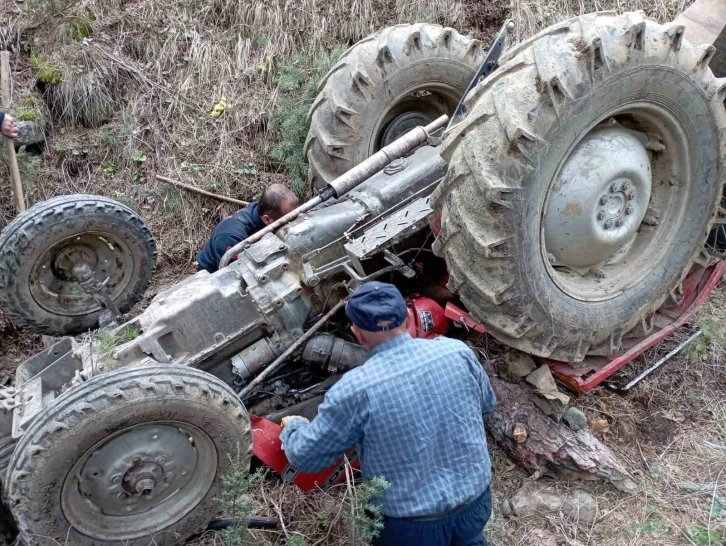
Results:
56 288
598 199
142 478
402 124
139 480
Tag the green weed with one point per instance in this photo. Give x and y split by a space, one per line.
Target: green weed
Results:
246 170
712 340
139 157
702 536
104 343
28 163
129 334
235 498
26 114
110 138
171 206
46 72
299 82
109 168
365 517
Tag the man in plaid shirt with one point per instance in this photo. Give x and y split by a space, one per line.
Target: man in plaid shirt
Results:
416 410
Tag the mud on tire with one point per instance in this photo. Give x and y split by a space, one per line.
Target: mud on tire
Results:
385 84
40 302
524 120
59 468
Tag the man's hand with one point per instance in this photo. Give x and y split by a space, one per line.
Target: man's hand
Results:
9 127
286 420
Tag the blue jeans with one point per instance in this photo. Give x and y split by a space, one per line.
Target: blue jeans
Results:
463 527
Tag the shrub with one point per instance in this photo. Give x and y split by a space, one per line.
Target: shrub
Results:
299 80
46 72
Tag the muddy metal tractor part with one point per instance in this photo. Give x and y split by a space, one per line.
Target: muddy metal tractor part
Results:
564 204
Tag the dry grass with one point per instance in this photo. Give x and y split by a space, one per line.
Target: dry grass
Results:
140 80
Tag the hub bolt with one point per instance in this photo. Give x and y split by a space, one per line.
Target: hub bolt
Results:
122 496
601 215
625 186
136 460
608 224
631 196
115 479
604 200
613 188
145 486
618 222
628 210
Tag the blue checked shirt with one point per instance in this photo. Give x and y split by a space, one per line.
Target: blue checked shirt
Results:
416 410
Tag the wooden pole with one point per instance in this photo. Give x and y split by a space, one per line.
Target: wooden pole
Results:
9 145
201 191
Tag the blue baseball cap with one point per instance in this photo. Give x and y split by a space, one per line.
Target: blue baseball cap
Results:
377 307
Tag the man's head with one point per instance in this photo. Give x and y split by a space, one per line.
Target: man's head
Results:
378 313
275 202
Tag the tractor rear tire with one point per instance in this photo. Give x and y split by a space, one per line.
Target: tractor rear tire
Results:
39 248
383 86
596 78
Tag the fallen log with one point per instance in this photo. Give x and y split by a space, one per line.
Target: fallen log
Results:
545 447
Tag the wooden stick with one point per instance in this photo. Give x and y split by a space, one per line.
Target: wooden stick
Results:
201 191
9 145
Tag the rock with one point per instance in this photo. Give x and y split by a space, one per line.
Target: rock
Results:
30 132
658 471
536 499
575 419
552 401
518 364
599 425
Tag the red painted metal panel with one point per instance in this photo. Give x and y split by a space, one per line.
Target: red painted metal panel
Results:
459 316
267 447
696 289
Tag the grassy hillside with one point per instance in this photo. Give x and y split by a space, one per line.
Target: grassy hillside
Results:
214 93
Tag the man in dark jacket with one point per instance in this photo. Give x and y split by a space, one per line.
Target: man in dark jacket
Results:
276 201
8 126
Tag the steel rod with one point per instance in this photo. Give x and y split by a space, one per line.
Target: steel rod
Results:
661 362
343 184
291 349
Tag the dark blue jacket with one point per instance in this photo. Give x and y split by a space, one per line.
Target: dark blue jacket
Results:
2 117
228 233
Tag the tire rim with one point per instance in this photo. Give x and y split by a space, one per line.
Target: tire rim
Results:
616 202
418 105
53 285
139 480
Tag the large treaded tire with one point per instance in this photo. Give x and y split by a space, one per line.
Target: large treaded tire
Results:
27 237
78 421
374 80
547 92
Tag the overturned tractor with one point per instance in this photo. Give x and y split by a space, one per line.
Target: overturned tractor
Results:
566 205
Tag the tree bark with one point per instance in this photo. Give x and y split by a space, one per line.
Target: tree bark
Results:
549 448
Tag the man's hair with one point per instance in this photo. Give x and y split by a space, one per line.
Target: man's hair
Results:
273 198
